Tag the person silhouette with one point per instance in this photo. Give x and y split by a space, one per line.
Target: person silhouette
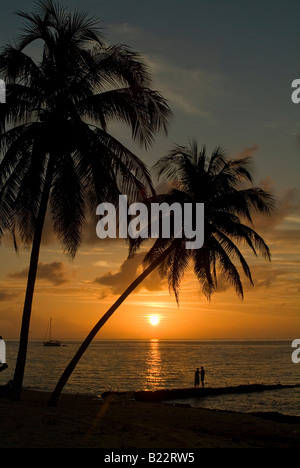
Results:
202 373
3 364
197 375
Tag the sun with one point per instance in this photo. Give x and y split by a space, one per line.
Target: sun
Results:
154 320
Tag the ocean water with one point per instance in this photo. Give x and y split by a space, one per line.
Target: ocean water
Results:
131 365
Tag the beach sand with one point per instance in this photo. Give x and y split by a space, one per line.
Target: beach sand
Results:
120 422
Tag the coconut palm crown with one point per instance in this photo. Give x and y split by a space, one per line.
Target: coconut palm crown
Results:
56 121
222 185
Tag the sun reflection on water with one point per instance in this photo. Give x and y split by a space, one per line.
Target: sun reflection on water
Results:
154 374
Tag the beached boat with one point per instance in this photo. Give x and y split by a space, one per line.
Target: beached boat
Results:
51 342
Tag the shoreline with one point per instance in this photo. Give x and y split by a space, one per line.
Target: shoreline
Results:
182 393
119 421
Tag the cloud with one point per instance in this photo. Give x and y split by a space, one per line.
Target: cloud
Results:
190 90
53 272
101 263
129 270
121 30
6 295
287 207
249 151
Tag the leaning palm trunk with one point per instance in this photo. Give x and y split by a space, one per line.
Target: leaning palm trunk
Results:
53 401
34 258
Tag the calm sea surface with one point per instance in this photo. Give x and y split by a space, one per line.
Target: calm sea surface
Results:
122 365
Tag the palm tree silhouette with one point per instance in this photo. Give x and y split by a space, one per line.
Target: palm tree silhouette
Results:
219 183
57 151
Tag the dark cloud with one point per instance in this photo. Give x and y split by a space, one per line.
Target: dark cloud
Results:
287 203
265 276
129 270
53 272
6 295
268 278
287 240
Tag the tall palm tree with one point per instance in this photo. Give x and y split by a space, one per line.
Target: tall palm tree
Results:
219 183
57 151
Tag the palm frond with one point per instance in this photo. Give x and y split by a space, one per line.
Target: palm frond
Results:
176 265
67 204
233 252
228 268
204 270
219 183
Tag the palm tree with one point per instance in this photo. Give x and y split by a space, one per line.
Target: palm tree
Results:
57 151
219 183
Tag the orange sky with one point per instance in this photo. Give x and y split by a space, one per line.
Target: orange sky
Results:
75 294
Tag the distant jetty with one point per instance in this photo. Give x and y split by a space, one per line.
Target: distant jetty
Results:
183 393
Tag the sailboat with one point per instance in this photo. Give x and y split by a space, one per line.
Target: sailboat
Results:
51 342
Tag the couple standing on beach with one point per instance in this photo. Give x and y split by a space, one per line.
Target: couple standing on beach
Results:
3 364
199 374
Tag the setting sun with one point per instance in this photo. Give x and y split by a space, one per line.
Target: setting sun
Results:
154 320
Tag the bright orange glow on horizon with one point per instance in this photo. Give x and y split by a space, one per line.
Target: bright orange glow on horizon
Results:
269 310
